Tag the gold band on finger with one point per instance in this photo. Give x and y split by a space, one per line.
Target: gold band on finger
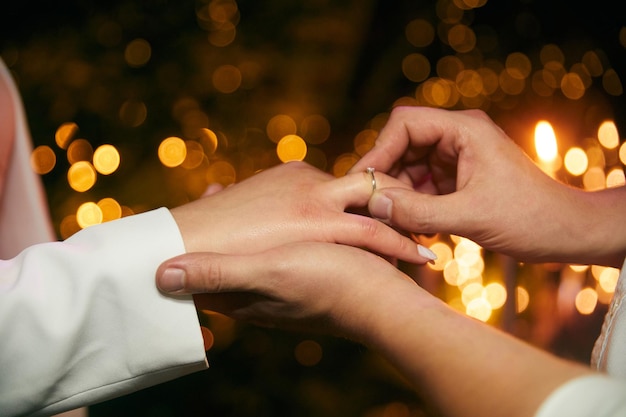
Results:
370 171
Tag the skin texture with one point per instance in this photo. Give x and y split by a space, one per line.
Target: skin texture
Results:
291 202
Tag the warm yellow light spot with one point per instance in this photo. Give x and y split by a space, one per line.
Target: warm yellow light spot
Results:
88 214
42 159
543 83
133 113
291 148
209 141
444 255
578 268
227 79
596 158
172 151
449 66
608 279
593 64
479 308
223 34
489 79
315 129
604 297
137 53
464 246
452 272
596 271
106 159
612 83
471 267
81 176
572 86
518 65
364 141
576 161
622 153
65 133
586 301
343 163
594 179
608 135
207 337
221 172
469 83
615 178
195 155
551 53
308 353
110 208
495 294
471 292
68 226
511 85
522 299
545 142
420 32
438 92
79 150
280 126
416 67
222 11
461 38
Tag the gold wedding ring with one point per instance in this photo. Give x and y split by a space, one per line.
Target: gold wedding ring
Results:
370 171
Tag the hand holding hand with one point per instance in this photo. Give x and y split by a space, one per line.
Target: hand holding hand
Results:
291 202
318 287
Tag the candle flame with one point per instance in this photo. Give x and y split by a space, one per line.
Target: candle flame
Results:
545 142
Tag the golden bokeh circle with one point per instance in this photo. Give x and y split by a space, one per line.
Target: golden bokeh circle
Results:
81 176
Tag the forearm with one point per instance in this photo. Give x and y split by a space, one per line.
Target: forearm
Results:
460 366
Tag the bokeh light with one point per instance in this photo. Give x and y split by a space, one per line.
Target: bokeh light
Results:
172 151
106 159
43 159
81 176
291 148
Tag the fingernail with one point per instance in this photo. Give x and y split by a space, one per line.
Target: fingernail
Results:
380 206
426 253
172 280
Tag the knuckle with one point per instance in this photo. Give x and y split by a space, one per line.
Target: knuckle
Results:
210 277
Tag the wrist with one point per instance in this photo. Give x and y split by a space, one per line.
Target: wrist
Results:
601 232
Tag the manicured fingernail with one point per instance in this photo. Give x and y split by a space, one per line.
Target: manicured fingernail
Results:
380 206
172 280
426 253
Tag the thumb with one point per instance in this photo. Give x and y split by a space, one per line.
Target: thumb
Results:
417 212
203 272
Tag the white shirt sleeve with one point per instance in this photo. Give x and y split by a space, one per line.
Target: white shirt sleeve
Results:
82 321
589 396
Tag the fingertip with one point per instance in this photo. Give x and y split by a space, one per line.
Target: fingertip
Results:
171 279
380 206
